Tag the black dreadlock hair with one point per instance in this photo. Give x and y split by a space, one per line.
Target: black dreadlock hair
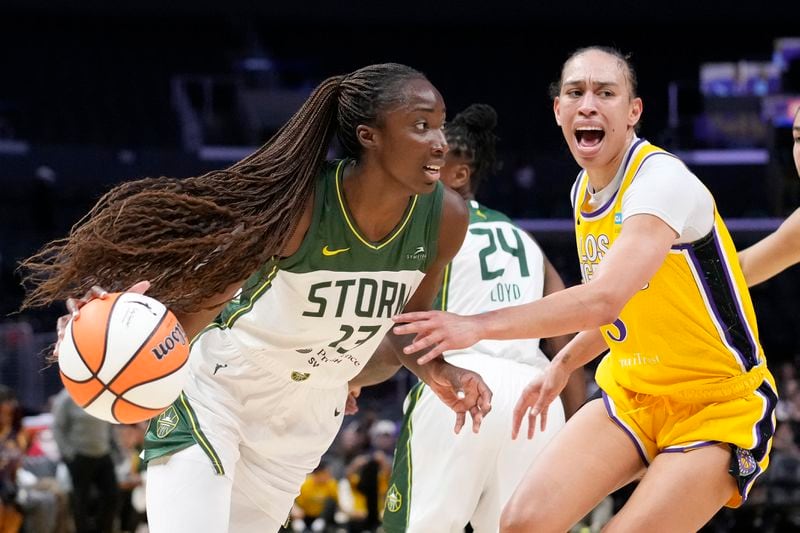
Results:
471 135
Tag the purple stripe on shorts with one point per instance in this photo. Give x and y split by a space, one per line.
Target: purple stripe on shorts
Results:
621 424
681 449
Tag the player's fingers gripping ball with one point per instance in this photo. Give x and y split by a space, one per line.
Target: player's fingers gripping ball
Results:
124 358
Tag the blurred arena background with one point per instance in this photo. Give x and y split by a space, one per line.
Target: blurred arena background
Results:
96 93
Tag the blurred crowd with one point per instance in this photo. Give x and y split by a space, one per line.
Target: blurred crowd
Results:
62 471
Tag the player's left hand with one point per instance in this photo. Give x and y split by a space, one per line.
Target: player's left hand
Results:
462 390
351 406
536 398
439 330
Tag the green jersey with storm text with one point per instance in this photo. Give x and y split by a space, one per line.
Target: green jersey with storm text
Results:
499 265
319 314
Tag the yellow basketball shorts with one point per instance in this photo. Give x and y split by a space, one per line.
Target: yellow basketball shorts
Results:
662 424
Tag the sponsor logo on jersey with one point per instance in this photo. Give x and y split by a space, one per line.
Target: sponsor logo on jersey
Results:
418 254
327 252
617 218
300 376
394 500
480 213
166 422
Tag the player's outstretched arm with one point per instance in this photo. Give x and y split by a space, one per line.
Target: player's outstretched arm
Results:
637 254
774 253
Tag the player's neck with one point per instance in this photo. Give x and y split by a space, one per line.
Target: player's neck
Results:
376 207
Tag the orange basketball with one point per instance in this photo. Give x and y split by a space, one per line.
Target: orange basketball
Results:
124 358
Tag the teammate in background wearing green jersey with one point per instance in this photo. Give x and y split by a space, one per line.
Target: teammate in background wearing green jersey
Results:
440 481
286 270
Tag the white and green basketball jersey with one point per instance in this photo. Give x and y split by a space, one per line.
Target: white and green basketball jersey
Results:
321 313
498 265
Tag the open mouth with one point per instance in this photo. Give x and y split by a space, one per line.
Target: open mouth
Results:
589 137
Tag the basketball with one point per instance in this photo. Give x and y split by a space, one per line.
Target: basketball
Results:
123 359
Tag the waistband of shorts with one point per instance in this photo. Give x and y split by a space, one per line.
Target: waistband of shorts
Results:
725 390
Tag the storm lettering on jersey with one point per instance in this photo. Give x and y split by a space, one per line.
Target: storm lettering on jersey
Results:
362 297
592 250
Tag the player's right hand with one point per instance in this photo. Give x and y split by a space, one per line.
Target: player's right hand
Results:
438 331
74 305
537 397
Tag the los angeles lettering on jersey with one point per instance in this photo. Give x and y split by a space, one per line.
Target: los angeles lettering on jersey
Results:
364 297
591 252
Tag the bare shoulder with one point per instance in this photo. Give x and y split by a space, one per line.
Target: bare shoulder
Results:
454 208
453 227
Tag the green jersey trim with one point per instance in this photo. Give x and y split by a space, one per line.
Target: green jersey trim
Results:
352 226
441 298
248 297
165 439
480 213
398 498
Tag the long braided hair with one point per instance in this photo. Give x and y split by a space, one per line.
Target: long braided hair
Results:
193 237
471 135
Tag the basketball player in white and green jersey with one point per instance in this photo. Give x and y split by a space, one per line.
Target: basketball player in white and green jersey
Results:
268 378
442 481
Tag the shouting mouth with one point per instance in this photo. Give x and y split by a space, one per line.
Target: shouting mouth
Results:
589 137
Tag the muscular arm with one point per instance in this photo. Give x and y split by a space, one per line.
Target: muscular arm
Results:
574 393
634 258
773 254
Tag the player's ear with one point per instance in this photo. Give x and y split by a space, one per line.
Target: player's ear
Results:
557 110
461 176
367 136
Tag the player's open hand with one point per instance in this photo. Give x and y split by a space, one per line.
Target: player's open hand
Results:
74 306
536 398
437 330
464 391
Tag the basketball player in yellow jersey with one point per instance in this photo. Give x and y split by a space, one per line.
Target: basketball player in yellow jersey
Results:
781 249
688 403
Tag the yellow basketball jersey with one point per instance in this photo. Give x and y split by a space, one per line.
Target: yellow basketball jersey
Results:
691 331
